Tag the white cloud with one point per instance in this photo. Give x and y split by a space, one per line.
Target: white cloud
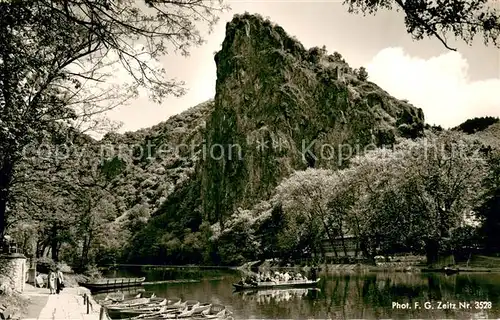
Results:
439 85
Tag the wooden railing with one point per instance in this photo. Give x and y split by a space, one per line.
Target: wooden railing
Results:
90 307
88 303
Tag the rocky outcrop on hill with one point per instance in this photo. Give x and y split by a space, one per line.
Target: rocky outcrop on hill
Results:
280 107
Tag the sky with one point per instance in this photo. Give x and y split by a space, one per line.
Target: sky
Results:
449 86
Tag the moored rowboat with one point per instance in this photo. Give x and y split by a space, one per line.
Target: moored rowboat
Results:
115 297
200 308
273 284
187 311
133 312
109 283
129 303
214 312
190 309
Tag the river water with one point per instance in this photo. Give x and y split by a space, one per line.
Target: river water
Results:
339 296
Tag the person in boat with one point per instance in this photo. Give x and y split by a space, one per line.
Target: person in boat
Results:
243 281
286 277
267 277
51 279
59 280
276 276
252 280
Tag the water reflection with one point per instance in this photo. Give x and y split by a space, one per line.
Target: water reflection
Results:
275 296
348 296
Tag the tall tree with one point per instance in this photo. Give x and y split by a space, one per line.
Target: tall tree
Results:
489 208
57 59
428 187
315 194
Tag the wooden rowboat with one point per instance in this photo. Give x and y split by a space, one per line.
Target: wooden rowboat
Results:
120 313
214 312
111 283
200 308
188 310
272 284
130 303
115 297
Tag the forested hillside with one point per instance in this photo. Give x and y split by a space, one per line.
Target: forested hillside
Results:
296 149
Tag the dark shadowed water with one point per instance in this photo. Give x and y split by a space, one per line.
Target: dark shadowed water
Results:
340 296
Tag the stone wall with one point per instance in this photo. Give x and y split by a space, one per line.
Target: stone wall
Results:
13 272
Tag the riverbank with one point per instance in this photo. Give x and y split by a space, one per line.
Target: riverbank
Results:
388 267
475 264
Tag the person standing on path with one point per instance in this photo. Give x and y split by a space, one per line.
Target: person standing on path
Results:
52 281
59 280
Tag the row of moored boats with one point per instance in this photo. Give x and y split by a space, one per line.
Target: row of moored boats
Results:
144 307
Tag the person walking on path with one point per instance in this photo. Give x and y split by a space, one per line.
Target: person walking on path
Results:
59 280
52 281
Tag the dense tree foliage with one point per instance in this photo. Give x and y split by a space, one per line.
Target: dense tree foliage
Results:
57 60
463 19
428 188
489 208
361 74
474 125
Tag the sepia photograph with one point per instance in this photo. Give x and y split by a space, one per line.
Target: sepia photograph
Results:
249 159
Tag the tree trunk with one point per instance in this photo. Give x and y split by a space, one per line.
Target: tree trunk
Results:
356 252
365 248
54 243
432 251
83 260
5 185
343 243
322 250
86 248
330 237
58 250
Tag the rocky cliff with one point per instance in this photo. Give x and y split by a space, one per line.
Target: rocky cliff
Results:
280 107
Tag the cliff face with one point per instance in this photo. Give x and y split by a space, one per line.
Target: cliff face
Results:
279 108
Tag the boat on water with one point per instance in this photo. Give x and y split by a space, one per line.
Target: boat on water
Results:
119 297
115 297
200 308
189 309
153 309
216 311
277 284
173 303
119 313
172 308
112 283
129 303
